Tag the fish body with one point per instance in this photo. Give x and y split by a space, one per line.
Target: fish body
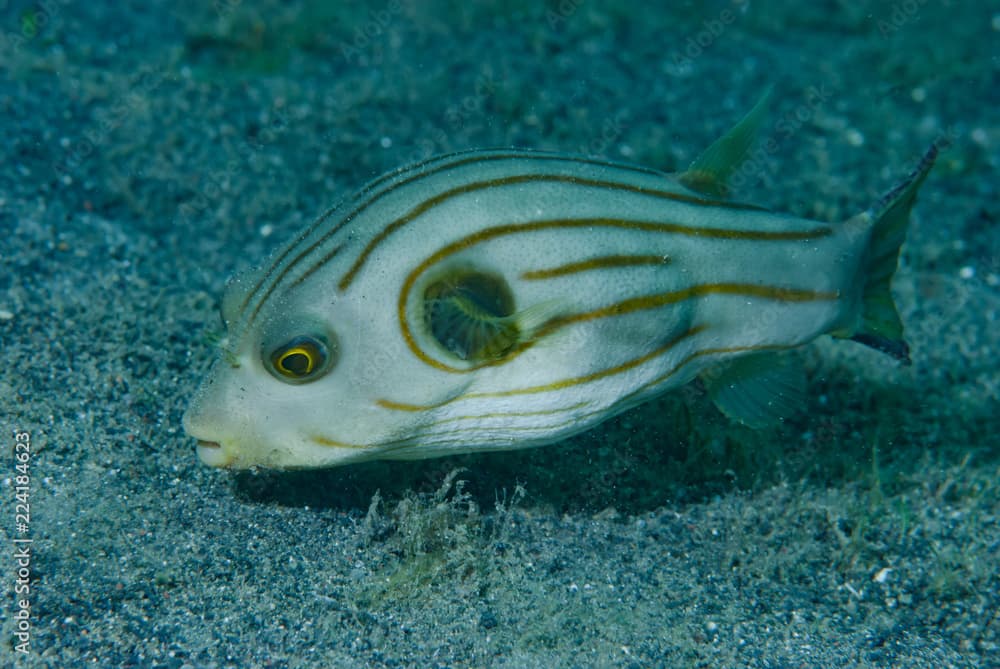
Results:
501 299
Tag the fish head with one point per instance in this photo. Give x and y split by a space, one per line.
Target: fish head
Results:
299 380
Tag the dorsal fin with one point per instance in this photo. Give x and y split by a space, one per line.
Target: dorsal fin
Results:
711 170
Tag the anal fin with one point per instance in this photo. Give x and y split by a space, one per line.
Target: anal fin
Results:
757 390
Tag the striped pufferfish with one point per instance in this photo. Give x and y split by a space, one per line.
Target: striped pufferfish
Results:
500 299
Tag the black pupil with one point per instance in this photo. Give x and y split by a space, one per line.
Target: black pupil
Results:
296 363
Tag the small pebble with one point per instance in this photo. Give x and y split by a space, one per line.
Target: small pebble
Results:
488 620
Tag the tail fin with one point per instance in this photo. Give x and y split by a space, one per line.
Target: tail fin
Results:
880 326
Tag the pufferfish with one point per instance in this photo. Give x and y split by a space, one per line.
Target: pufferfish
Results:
500 299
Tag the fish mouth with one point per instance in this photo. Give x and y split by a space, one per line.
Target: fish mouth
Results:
212 454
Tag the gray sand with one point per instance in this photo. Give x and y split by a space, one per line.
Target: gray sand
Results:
150 151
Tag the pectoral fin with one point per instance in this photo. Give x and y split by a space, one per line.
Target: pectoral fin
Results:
757 390
710 171
472 315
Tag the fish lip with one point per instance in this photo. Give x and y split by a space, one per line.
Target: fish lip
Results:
212 454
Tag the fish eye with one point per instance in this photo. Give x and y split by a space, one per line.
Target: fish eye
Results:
301 359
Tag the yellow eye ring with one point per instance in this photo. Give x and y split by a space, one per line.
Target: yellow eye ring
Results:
301 359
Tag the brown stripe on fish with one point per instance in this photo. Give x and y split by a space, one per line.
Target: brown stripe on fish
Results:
384 447
281 257
333 443
572 381
656 300
471 430
507 414
444 163
513 414
475 186
774 293
422 438
602 262
623 307
600 374
305 275
435 440
309 230
403 406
